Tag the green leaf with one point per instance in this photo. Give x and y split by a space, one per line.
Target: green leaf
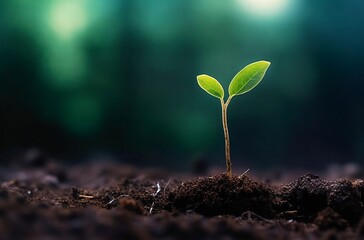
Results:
210 85
248 78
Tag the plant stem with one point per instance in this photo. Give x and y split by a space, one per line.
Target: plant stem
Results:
226 134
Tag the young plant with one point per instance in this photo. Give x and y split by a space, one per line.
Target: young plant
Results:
244 81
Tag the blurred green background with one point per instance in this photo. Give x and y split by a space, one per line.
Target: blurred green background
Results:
119 77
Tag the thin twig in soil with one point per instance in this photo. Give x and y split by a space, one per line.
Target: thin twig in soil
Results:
156 193
158 190
117 198
244 173
248 216
165 187
151 208
86 196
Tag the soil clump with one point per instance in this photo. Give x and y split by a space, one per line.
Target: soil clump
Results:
43 199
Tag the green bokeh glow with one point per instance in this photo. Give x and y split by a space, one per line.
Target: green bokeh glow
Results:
125 72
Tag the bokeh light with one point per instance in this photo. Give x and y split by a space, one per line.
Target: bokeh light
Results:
67 17
265 8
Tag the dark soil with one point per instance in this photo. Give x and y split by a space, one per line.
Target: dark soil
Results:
45 200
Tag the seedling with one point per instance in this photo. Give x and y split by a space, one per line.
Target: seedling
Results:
244 81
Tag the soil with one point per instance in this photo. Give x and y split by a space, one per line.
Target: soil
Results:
43 199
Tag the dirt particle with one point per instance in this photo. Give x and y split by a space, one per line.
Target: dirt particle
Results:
75 192
329 219
345 199
307 195
221 194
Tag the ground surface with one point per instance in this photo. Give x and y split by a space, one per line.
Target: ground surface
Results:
42 199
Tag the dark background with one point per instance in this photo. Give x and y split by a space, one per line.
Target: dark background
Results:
117 78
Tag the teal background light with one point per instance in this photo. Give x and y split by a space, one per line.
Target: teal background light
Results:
119 76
